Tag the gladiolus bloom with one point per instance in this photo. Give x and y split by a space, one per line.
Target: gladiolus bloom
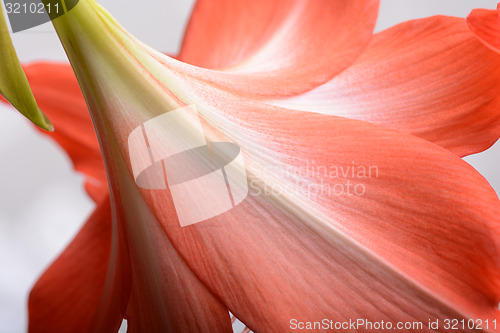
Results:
358 205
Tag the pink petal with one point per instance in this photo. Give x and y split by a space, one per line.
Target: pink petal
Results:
427 77
278 47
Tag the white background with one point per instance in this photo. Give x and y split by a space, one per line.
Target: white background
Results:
42 201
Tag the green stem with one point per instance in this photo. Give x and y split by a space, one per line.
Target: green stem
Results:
14 85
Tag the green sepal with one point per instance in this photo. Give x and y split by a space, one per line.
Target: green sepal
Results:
14 86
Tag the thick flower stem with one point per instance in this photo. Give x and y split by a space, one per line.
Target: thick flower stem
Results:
96 43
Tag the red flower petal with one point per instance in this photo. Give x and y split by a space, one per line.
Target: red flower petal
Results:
485 24
67 296
283 47
420 242
166 295
58 95
427 77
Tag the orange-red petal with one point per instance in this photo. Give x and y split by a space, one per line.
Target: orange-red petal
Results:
166 295
485 24
429 77
278 47
57 93
419 242
67 295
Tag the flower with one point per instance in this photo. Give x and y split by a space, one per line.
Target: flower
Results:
419 242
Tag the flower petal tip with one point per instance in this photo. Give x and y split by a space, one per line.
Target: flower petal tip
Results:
45 123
